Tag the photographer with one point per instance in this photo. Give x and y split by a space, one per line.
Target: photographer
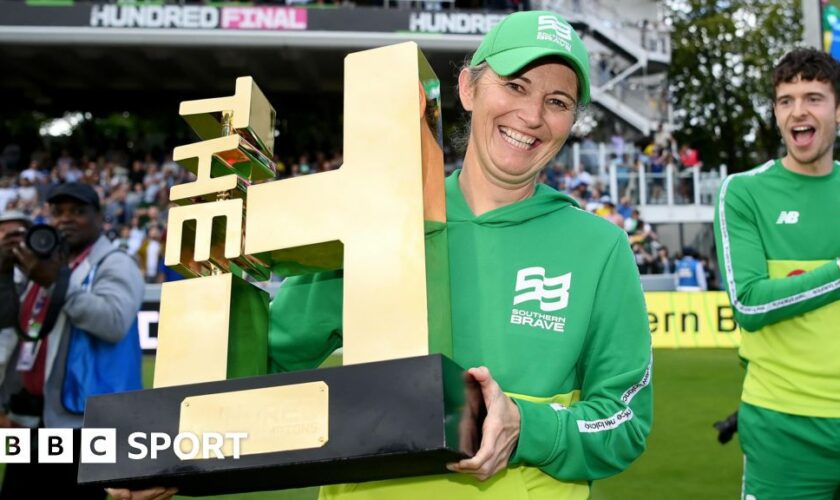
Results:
11 221
75 316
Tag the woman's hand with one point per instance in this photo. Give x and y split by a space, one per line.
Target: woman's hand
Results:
500 432
158 493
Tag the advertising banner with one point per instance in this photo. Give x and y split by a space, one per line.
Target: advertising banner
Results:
691 319
254 18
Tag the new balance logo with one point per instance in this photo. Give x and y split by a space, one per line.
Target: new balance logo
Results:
551 292
788 217
555 30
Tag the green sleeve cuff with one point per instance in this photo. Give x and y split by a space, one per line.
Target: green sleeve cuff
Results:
834 272
539 427
829 273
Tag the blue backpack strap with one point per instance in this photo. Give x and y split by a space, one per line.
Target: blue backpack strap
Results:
88 281
98 367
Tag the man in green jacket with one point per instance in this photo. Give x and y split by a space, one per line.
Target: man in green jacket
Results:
778 241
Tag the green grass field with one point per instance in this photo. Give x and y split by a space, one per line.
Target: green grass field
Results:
692 389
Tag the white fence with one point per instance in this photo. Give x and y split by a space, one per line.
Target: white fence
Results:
642 183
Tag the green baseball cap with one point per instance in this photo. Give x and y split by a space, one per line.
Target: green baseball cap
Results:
523 37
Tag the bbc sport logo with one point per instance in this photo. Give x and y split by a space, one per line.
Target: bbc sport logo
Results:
99 446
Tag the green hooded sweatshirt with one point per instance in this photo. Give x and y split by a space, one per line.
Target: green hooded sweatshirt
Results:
548 297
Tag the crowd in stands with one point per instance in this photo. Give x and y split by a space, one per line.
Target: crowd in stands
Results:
655 156
134 198
693 270
134 194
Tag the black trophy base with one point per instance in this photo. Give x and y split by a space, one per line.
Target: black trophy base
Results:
387 419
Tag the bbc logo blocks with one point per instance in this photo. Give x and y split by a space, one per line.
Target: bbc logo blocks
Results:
56 445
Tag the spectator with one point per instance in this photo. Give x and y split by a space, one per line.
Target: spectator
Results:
596 201
137 173
136 235
625 208
116 207
617 141
151 249
121 241
691 277
663 140
634 223
690 157
32 173
643 258
621 164
72 173
589 155
10 222
65 161
663 263
711 278
27 195
100 306
658 166
608 211
134 198
9 158
8 194
579 191
153 182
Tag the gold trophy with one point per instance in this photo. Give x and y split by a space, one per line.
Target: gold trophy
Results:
398 406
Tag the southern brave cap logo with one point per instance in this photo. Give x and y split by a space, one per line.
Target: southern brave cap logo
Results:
553 29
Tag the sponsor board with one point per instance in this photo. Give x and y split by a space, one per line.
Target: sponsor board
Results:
198 17
691 319
261 18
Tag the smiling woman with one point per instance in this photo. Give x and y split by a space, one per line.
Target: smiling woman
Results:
523 88
519 123
546 302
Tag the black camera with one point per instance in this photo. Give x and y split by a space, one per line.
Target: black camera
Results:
43 240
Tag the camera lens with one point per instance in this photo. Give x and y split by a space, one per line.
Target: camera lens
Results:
42 240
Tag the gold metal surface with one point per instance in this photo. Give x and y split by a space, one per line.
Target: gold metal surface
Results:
253 115
291 417
366 217
373 204
222 241
198 159
193 331
220 165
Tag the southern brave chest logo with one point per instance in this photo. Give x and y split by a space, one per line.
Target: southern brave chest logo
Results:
551 292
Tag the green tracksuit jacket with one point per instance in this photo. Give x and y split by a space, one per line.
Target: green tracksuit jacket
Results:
547 296
778 233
